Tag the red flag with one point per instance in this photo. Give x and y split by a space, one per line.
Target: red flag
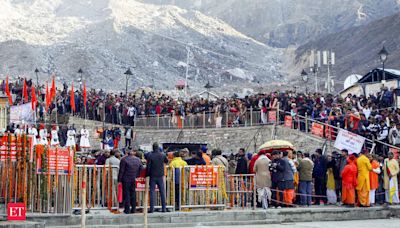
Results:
53 90
33 100
84 94
72 98
8 92
25 92
47 96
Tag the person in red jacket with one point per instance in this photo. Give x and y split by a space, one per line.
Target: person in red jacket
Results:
253 162
349 181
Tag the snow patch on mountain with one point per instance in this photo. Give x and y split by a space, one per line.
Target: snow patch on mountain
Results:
105 37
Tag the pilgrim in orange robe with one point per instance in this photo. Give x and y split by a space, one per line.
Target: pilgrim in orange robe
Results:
363 184
349 182
373 180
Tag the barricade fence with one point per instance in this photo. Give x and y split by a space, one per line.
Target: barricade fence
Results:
186 188
330 132
248 118
46 180
32 176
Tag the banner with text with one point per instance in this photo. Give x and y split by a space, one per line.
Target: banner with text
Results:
317 129
288 121
350 141
60 159
271 116
22 113
204 177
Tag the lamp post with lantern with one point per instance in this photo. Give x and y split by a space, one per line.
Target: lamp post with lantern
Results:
383 54
128 73
304 77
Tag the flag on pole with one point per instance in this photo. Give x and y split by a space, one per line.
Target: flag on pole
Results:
25 92
72 98
33 96
47 97
53 89
84 94
8 92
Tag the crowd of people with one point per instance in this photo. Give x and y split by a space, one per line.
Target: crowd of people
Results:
373 116
282 178
337 179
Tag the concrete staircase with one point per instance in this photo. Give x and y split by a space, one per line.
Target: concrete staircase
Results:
176 219
221 218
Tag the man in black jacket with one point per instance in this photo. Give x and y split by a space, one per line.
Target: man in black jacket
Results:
129 169
276 169
196 159
242 167
155 170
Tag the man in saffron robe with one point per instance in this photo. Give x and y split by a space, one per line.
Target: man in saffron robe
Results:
363 182
349 181
373 178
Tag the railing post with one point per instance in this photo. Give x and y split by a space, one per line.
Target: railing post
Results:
251 116
277 114
306 125
254 193
227 118
83 208
204 119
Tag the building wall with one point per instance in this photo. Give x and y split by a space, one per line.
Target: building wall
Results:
354 90
374 88
227 139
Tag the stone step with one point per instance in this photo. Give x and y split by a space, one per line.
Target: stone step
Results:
171 225
165 218
22 224
224 218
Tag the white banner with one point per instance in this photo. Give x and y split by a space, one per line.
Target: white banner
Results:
349 141
22 113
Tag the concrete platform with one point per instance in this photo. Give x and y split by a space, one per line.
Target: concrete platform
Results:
218 218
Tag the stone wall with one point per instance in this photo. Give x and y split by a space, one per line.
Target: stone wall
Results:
228 139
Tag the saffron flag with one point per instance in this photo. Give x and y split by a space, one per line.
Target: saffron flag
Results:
84 94
8 92
47 96
25 92
72 98
33 95
53 90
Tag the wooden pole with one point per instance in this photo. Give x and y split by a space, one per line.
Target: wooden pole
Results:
146 199
83 206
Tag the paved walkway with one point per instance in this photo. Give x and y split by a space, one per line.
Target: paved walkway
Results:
387 223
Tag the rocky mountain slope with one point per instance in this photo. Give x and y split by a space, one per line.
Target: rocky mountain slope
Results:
281 23
357 48
105 37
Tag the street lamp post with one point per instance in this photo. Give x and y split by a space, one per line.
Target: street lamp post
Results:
383 54
127 74
208 86
304 77
37 77
80 72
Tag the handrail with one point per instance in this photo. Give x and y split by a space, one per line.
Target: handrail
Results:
304 118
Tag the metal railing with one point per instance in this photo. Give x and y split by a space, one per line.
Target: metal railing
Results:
330 132
227 191
241 189
207 120
22 181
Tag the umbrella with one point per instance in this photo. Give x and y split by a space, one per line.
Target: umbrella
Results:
276 144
